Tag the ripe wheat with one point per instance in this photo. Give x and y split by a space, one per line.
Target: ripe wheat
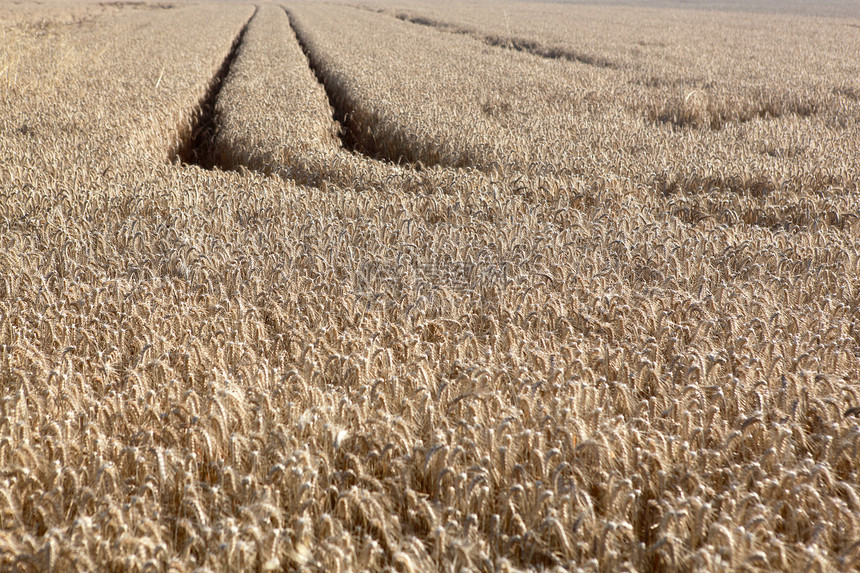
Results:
564 333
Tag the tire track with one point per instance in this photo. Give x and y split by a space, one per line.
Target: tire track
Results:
197 147
361 131
225 133
341 108
515 43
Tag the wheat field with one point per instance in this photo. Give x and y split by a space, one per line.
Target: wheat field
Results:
400 285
